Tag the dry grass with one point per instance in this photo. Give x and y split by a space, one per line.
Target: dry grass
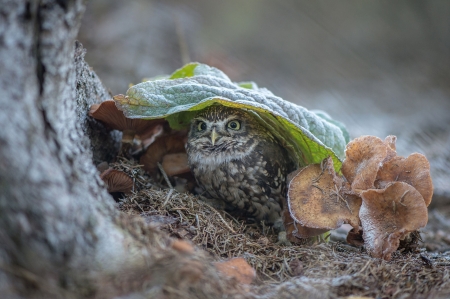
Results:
332 269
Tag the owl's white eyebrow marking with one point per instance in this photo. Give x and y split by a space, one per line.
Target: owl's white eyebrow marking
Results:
199 118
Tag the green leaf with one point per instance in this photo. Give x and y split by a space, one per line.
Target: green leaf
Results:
310 138
185 72
248 85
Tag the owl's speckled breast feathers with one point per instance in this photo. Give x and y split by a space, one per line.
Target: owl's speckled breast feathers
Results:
235 159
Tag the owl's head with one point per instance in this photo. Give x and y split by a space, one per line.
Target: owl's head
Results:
227 133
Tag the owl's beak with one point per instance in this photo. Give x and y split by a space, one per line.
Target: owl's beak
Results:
213 136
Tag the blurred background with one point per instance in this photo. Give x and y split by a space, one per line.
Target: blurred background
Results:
380 67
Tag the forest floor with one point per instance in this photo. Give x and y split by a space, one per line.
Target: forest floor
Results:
339 269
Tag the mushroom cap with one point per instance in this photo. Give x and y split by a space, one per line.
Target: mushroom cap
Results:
237 268
175 164
414 170
391 147
117 181
390 142
108 113
388 215
363 157
297 233
318 199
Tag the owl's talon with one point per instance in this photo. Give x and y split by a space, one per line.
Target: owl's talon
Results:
282 239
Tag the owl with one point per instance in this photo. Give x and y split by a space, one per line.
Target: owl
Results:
238 161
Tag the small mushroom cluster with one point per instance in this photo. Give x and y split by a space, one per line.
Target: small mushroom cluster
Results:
155 143
113 118
384 197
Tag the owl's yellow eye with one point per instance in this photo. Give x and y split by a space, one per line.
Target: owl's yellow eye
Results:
234 125
201 126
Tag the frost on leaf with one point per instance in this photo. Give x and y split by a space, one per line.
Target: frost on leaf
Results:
388 215
308 137
319 199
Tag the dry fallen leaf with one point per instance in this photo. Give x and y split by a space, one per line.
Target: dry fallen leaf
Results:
237 268
182 246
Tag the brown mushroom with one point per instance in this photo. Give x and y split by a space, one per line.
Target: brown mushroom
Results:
163 145
297 233
389 215
318 199
414 170
355 237
117 181
237 268
391 147
175 164
363 157
111 116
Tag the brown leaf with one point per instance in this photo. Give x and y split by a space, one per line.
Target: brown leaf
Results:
388 215
182 246
237 268
317 198
363 157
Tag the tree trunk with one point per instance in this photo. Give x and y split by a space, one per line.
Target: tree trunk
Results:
60 233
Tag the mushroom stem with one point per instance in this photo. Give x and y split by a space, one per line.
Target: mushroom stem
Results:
127 143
